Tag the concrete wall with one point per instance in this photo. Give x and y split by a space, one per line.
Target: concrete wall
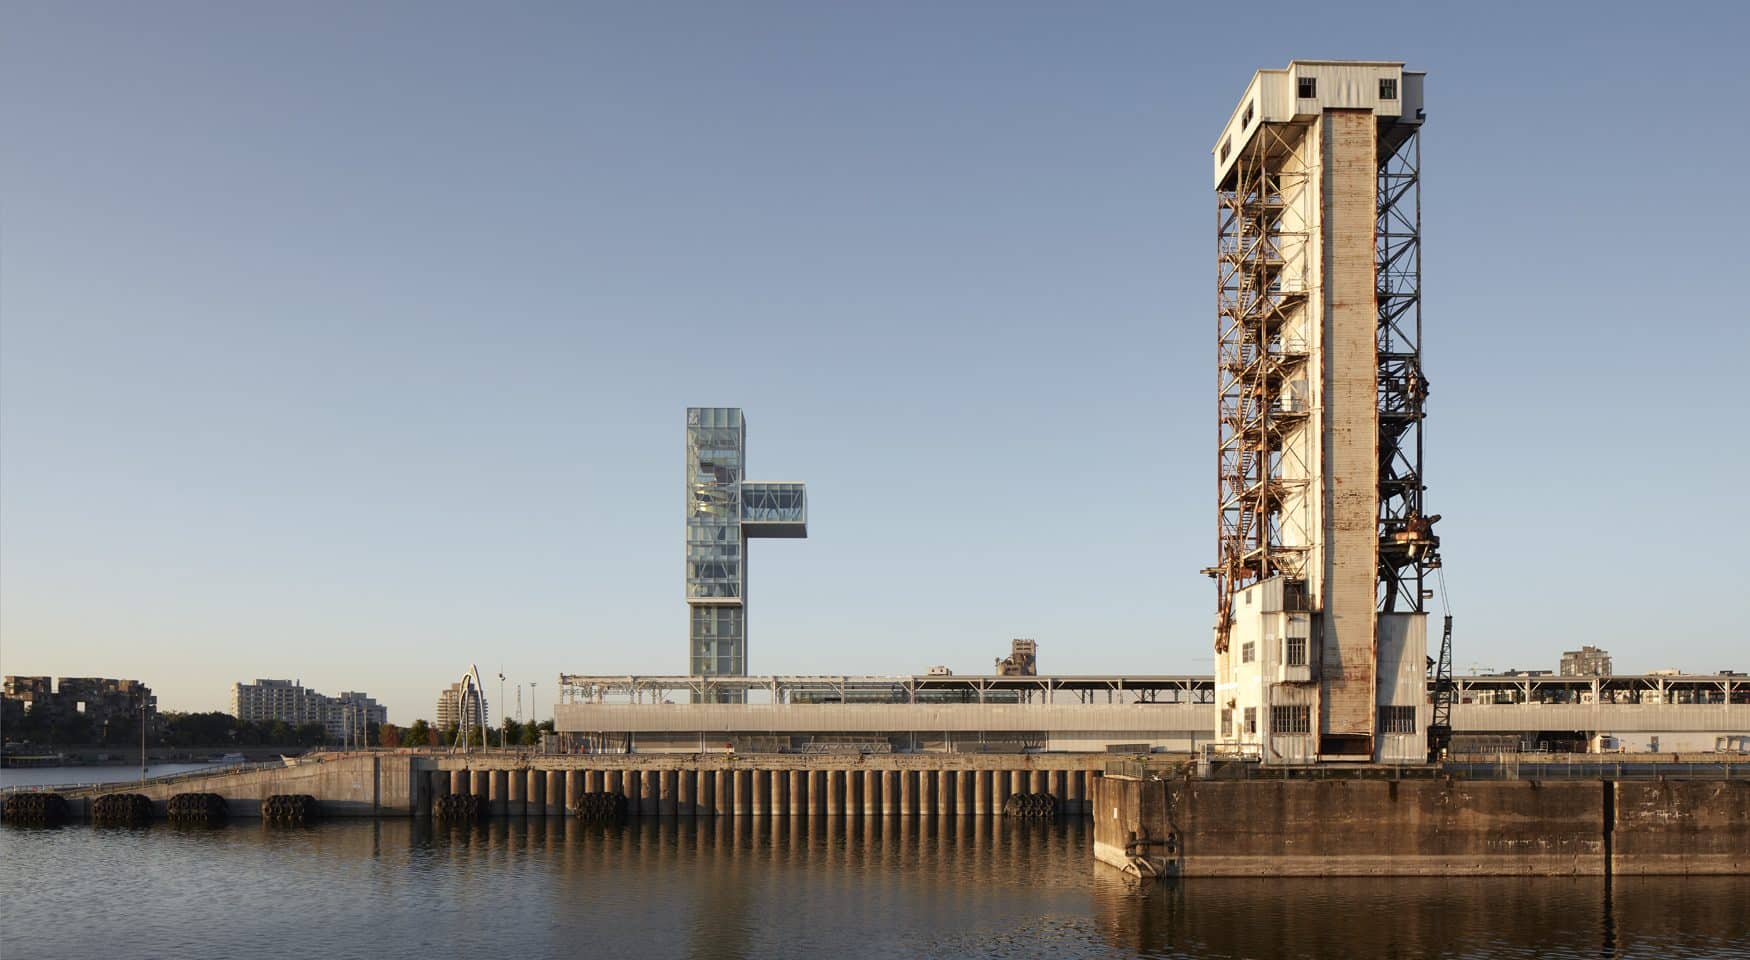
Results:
1423 827
1681 827
347 786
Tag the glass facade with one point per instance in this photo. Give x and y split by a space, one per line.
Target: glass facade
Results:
723 512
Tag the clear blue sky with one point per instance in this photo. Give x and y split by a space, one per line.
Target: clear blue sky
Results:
352 342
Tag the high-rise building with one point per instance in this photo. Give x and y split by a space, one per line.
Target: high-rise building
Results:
449 706
1588 661
1321 631
291 703
724 512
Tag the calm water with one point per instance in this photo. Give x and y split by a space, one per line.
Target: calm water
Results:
816 889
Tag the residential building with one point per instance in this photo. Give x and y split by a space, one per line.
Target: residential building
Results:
1588 661
291 703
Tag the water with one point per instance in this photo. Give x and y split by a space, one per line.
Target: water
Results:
63 776
770 889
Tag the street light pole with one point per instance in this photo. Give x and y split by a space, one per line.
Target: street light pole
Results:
142 740
501 712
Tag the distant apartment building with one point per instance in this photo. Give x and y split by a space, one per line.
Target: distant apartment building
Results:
291 703
449 703
1587 661
98 700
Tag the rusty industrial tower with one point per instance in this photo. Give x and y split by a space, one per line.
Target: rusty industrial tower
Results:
1324 544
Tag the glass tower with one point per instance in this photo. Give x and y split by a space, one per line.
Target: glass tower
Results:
724 511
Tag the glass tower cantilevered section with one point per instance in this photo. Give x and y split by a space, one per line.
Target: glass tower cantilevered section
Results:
724 511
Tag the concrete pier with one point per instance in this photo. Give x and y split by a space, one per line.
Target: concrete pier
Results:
668 798
723 791
908 792
835 793
516 786
687 794
798 792
762 792
817 792
577 783
981 793
891 790
963 793
536 794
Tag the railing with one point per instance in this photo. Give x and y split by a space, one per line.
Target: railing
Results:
1506 767
121 786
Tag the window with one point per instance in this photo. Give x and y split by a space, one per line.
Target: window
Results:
1246 120
1226 145
1227 722
1294 653
1388 88
1309 88
1397 719
1252 720
1291 719
1248 652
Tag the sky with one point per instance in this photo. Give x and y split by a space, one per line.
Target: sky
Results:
351 343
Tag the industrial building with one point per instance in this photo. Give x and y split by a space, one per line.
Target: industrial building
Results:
933 713
290 702
1323 542
724 512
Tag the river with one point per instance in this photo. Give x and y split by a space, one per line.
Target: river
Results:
973 887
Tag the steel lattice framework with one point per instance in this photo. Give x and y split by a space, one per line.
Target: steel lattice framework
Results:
1408 548
1254 358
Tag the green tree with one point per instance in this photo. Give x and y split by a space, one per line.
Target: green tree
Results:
418 735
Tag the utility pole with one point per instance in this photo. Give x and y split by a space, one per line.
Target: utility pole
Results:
501 707
534 711
142 739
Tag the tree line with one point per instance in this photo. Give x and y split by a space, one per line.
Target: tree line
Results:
218 729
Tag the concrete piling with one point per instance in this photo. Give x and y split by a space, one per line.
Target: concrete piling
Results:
536 794
649 800
516 786
798 792
871 792
612 781
835 793
981 793
723 792
890 791
578 782
740 793
817 793
966 786
1040 783
926 796
908 792
668 795
762 792
780 793
497 792
687 793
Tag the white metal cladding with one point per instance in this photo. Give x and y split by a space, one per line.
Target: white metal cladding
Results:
1272 97
1132 718
1601 717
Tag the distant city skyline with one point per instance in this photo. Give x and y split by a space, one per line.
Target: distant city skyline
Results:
352 347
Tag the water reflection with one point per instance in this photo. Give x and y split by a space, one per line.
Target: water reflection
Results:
782 887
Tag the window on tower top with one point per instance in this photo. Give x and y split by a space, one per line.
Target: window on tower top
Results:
1388 88
1309 88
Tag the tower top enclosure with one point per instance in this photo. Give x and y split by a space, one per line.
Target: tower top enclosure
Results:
1323 543
1305 88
